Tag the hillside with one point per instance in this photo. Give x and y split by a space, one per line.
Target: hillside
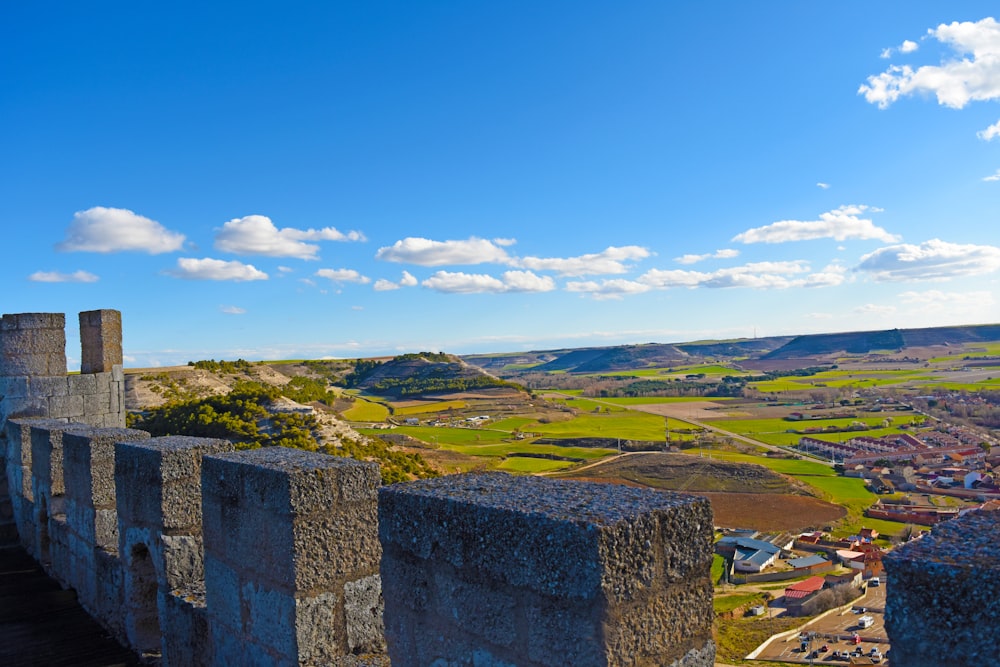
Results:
623 357
618 358
422 373
861 342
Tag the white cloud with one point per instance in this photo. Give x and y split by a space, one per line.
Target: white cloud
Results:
215 269
725 253
526 281
257 235
607 289
611 260
466 283
955 82
425 252
874 309
995 177
343 276
931 260
101 229
233 310
505 242
990 133
758 275
841 224
977 301
383 285
908 46
57 277
823 186
285 269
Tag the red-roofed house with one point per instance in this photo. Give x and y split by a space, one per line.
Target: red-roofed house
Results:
800 592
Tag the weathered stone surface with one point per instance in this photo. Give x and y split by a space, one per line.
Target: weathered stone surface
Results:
601 574
945 593
33 344
158 481
291 556
47 457
100 340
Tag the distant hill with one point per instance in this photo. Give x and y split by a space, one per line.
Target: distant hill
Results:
662 355
626 357
861 342
425 373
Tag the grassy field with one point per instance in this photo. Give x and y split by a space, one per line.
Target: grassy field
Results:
718 568
524 464
627 425
655 400
774 431
366 411
431 407
727 603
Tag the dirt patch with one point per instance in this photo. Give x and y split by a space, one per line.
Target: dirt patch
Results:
772 511
682 472
697 410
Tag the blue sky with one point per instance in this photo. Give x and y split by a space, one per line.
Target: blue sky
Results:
307 180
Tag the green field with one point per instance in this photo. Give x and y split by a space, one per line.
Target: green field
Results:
366 411
430 407
526 464
627 425
774 431
654 400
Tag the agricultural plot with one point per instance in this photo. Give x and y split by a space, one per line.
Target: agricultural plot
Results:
428 407
366 411
775 431
627 401
627 425
524 464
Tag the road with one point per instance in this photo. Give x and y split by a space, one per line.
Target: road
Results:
659 411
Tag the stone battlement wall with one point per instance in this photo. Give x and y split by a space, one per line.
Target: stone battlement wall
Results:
202 555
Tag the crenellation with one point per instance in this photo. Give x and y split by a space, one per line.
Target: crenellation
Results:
459 549
290 541
945 592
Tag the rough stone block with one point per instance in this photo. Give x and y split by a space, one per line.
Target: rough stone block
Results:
186 640
33 344
97 405
291 554
297 520
110 593
82 385
100 340
944 592
66 407
49 386
19 455
363 608
158 481
602 574
47 454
